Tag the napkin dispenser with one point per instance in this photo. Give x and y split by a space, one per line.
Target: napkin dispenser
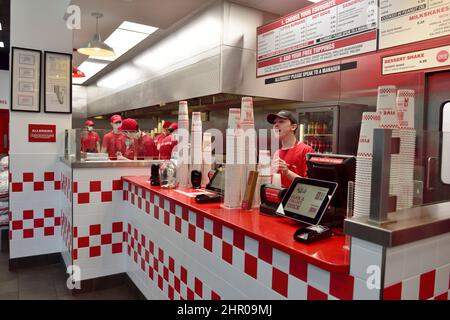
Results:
271 197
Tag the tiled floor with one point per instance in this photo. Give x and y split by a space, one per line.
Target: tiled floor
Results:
49 283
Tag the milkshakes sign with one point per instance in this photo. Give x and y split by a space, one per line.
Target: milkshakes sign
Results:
41 133
320 33
418 60
407 21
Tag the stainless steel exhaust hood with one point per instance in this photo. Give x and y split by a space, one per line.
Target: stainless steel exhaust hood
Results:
212 56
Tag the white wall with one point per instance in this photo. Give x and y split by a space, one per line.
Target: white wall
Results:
39 24
4 89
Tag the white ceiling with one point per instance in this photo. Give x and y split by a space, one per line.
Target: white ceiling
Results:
157 13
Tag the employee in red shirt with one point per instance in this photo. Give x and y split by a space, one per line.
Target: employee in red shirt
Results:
290 160
90 140
160 137
168 143
140 146
114 141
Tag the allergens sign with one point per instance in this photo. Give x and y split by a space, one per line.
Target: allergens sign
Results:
41 133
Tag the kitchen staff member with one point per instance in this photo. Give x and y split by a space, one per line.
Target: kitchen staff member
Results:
165 132
168 143
139 144
114 142
90 141
290 160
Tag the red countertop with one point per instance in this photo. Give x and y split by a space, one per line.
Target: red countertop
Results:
331 254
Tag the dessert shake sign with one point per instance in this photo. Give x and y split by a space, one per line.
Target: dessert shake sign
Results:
418 60
408 21
323 32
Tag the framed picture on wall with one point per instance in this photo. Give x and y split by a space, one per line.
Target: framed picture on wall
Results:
25 79
58 82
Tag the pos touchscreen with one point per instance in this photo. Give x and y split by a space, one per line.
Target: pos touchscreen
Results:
307 200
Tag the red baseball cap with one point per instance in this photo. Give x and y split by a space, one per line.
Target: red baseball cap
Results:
129 125
167 124
116 118
173 126
89 123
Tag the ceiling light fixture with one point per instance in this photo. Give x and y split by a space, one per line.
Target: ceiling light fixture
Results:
96 47
2 44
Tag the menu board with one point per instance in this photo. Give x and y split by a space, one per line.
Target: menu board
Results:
323 32
408 21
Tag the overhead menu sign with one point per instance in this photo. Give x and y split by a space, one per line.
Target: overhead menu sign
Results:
418 60
323 32
408 21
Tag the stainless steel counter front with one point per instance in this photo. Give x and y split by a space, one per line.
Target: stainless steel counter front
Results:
110 164
407 226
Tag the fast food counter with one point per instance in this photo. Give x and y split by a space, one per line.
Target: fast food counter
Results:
176 248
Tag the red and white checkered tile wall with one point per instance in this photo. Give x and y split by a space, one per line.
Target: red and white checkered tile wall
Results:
35 218
97 240
432 285
34 182
97 220
89 192
164 271
35 224
286 275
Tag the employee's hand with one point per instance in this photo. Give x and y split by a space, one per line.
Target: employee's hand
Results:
120 156
280 165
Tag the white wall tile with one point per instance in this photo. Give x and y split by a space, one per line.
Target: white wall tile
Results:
318 278
361 259
297 289
410 288
442 279
281 260
251 246
362 292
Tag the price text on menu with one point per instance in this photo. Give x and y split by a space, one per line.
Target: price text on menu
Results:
323 32
408 21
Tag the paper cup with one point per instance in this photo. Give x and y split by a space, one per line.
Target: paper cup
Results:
370 121
276 180
406 109
234 117
386 100
247 116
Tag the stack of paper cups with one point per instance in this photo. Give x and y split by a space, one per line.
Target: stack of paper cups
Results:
207 158
234 117
264 175
363 179
386 106
196 142
233 169
183 144
233 172
247 141
405 113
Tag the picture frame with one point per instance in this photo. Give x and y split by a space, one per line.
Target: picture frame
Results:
26 67
58 82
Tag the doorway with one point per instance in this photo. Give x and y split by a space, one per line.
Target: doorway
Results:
4 132
437 93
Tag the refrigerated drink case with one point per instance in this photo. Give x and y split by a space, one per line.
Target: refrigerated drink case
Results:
333 128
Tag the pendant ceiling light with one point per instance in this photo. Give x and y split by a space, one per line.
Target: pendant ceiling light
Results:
96 47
